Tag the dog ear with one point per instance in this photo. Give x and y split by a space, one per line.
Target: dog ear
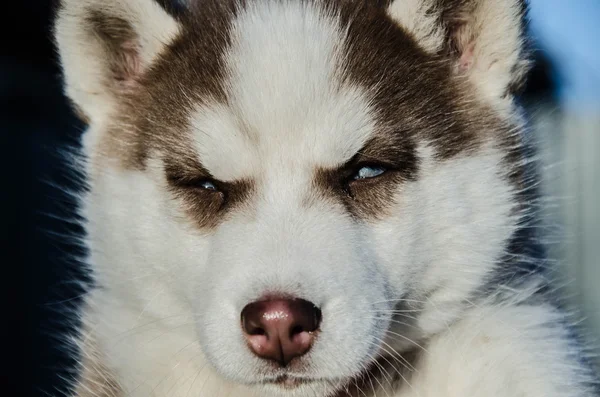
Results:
485 39
104 47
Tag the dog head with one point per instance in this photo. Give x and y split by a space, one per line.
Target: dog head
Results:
318 183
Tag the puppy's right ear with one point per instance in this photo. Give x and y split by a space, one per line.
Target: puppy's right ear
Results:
104 47
485 40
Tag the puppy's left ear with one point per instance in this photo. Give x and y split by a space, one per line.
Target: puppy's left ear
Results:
105 46
484 39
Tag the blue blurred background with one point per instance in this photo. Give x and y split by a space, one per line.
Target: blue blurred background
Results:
568 33
562 98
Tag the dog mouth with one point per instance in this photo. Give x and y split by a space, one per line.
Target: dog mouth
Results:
289 382
348 387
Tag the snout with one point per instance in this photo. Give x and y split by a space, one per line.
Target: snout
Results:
300 300
280 330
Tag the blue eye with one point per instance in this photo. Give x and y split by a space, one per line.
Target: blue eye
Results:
369 172
208 185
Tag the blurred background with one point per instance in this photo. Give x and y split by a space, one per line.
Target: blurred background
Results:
562 99
566 121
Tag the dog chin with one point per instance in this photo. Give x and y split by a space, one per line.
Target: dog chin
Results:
291 387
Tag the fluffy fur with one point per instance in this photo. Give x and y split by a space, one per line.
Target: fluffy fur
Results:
423 275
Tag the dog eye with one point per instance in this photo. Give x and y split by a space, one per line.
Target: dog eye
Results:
369 171
207 185
187 182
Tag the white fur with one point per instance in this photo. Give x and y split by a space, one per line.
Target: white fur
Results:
272 122
497 351
421 19
165 320
450 235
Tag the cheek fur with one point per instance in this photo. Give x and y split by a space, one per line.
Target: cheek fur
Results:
446 238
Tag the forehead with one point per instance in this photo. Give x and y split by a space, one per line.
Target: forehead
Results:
286 98
299 83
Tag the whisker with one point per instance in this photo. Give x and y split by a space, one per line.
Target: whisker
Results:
408 340
400 300
394 354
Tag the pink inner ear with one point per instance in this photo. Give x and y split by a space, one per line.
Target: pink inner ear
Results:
130 66
467 58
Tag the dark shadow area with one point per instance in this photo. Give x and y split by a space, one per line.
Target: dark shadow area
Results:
541 85
36 126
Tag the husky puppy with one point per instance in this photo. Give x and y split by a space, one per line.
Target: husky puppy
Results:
311 198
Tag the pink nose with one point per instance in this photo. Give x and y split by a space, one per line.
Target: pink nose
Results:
280 330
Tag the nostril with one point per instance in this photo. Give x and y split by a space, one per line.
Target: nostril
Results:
317 316
256 331
298 329
307 315
251 320
310 325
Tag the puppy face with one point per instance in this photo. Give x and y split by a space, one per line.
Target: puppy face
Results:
286 151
